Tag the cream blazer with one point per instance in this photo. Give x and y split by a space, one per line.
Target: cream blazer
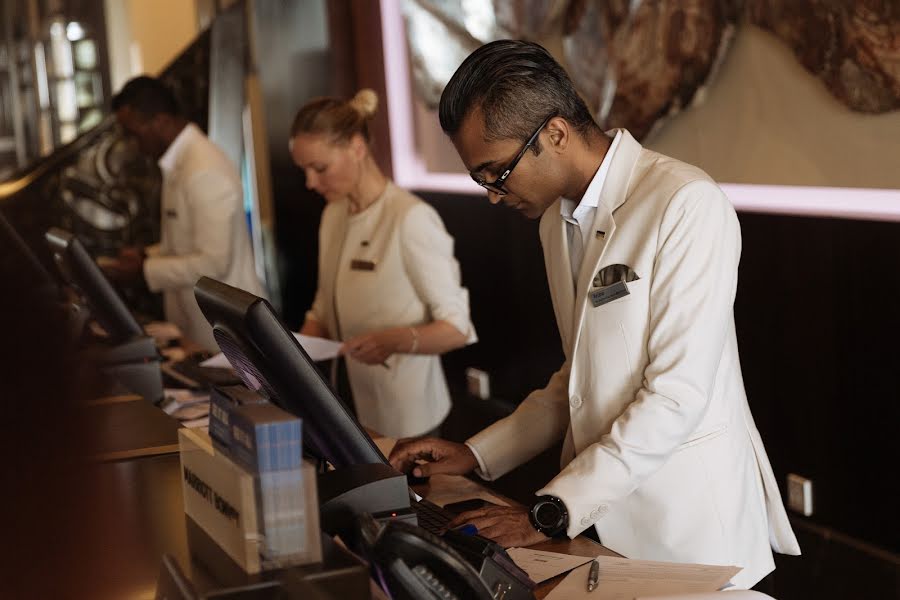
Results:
203 232
391 266
661 453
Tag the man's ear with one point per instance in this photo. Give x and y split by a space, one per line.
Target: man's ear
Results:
559 134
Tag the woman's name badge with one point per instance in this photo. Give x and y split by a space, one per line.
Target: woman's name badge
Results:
362 265
608 293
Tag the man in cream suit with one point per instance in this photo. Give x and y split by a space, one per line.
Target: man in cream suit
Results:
661 455
203 228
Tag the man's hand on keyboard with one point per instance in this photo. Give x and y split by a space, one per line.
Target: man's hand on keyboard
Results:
509 526
441 456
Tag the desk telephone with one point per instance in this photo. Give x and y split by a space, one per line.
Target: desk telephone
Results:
414 564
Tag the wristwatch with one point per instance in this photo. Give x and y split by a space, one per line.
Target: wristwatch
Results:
549 516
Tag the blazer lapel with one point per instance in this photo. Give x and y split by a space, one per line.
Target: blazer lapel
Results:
559 273
612 196
328 274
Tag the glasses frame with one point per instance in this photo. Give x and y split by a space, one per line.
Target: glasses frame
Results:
496 186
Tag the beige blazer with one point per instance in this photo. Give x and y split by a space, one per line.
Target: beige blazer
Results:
661 453
409 277
203 232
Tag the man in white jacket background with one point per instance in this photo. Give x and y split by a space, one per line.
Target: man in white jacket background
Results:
661 455
203 230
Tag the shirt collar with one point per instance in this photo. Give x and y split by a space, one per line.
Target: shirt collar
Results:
592 195
173 153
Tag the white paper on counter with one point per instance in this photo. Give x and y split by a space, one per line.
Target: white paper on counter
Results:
317 348
541 565
625 579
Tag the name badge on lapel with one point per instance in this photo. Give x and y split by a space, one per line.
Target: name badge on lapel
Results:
358 264
608 293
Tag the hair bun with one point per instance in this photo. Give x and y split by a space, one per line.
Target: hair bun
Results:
365 102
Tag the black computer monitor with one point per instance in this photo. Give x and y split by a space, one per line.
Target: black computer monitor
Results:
269 360
79 269
16 256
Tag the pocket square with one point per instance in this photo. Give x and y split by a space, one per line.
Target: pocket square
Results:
611 283
613 274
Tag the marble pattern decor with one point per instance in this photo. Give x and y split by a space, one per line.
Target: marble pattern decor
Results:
853 47
639 61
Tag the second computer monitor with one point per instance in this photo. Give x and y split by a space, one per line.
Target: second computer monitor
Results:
77 267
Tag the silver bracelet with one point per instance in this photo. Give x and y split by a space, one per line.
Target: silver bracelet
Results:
415 342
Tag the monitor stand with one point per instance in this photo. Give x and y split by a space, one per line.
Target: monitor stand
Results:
134 365
376 489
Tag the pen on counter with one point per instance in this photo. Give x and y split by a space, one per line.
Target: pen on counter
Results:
593 575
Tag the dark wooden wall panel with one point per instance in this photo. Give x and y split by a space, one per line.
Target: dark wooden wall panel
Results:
818 329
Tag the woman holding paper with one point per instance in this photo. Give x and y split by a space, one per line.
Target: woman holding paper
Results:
389 286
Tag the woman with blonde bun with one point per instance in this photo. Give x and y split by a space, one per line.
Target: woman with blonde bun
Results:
389 286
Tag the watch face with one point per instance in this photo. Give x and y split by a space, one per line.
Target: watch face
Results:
547 515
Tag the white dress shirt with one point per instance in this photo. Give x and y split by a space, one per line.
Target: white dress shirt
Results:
580 216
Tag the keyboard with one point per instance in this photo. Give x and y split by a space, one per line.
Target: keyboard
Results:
489 559
431 517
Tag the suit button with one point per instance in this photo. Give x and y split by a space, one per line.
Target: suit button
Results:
594 514
575 402
585 521
602 510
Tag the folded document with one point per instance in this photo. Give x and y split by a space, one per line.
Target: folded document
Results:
630 578
317 348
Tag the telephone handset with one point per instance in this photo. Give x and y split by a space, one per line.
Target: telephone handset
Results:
414 564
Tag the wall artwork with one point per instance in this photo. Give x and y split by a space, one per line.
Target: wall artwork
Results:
637 62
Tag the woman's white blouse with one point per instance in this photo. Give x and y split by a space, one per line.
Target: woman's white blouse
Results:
391 265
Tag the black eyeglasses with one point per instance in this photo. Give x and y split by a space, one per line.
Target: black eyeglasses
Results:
496 186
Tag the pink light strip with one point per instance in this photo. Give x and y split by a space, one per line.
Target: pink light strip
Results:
410 170
841 203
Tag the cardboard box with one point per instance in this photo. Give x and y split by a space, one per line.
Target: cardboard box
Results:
221 498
